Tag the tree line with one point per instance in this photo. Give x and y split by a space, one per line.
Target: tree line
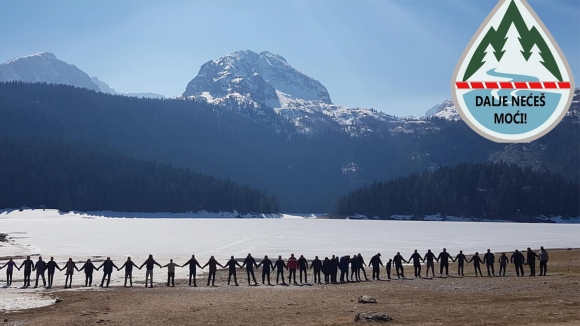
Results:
481 190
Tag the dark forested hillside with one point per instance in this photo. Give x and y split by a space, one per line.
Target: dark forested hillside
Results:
307 173
473 190
42 172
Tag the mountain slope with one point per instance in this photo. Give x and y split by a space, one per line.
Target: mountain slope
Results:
45 68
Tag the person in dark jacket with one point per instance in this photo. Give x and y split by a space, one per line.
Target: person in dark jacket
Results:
354 275
489 260
317 266
361 265
292 264
531 258
10 265
149 265
107 265
193 264
213 264
375 263
52 266
476 263
280 265
303 267
518 259
429 258
171 272
343 265
327 270
231 264
89 268
249 263
266 267
443 260
503 261
398 261
334 270
460 259
128 265
389 265
69 270
417 259
40 268
543 261
28 267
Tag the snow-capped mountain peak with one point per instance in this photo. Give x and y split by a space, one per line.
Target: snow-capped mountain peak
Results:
254 78
42 56
47 68
445 110
266 81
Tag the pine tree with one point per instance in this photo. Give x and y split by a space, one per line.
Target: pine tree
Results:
513 60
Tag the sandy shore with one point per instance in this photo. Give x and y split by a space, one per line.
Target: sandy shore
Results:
550 300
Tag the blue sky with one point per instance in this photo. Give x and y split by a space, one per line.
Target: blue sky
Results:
394 56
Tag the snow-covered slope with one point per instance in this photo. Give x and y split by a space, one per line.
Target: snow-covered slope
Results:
432 110
45 68
574 110
445 110
264 81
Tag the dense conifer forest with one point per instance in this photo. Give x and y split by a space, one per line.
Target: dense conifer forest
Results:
46 173
481 190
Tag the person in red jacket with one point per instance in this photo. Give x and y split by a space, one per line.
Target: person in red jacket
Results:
292 264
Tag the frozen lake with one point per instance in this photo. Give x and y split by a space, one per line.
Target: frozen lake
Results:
50 233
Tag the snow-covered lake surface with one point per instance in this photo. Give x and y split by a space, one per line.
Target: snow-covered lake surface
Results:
50 233
63 235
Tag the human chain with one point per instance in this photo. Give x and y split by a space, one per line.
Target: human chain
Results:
329 267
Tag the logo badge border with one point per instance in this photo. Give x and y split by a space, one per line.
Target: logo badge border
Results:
464 55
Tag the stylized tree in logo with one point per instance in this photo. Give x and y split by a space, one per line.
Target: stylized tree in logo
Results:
528 38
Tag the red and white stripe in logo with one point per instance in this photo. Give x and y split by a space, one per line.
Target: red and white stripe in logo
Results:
512 85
